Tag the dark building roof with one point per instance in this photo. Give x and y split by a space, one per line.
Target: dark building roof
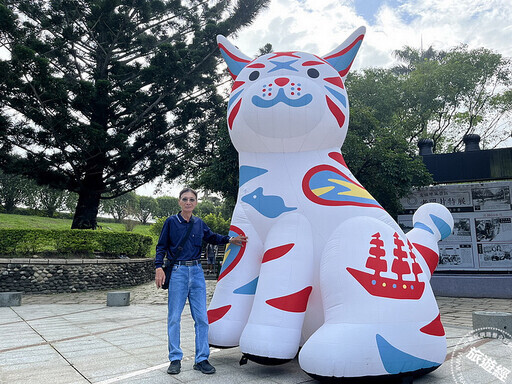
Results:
473 164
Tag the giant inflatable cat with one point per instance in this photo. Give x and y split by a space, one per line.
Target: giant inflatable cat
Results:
325 267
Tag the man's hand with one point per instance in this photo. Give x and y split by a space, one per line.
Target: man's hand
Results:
239 240
159 277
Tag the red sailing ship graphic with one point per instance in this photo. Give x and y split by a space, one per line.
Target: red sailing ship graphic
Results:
403 261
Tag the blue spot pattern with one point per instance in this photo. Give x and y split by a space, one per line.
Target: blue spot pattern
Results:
396 361
269 206
282 98
442 226
247 289
248 173
338 95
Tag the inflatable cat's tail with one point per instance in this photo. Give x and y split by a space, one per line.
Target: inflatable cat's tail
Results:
432 222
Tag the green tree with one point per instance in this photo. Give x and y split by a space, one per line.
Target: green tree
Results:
378 147
458 92
216 168
217 223
166 206
15 190
144 207
107 94
50 200
205 208
119 207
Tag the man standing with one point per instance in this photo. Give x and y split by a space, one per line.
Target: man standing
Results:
211 252
187 278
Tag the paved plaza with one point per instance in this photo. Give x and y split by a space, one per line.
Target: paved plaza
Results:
76 338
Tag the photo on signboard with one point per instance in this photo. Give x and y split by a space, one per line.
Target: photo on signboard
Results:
491 198
493 229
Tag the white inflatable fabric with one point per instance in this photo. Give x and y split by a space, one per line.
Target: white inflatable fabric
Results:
325 267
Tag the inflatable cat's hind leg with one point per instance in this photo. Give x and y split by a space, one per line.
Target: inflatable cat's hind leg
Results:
381 317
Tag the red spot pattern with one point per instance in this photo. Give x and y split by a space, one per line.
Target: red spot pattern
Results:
296 302
339 116
256 65
429 255
277 252
434 328
217 313
233 114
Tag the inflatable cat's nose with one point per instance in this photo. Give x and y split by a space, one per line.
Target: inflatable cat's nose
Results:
281 81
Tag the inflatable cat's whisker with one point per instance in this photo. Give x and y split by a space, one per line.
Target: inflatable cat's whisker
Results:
326 267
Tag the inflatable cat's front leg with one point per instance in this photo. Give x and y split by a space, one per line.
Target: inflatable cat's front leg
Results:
381 317
234 294
273 331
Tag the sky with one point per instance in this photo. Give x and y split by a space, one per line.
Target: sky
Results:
319 26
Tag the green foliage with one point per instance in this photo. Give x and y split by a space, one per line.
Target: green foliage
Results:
72 242
145 206
157 226
14 191
108 95
120 207
217 223
217 168
378 149
450 94
205 208
166 206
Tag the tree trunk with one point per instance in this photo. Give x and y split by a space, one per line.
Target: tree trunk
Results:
86 211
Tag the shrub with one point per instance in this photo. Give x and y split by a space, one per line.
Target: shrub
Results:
156 228
73 242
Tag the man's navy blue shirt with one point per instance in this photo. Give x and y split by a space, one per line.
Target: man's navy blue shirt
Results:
174 229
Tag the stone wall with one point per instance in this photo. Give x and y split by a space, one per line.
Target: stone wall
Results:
72 275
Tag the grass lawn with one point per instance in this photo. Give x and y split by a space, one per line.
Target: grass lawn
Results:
36 222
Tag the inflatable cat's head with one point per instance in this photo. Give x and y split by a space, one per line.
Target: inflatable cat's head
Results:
289 101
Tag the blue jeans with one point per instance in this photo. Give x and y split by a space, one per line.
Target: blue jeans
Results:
187 282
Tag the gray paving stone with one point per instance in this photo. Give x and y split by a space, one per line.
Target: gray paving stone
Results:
111 345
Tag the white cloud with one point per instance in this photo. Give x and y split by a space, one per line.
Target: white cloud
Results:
318 26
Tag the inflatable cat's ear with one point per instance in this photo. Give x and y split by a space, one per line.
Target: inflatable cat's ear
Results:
235 59
343 56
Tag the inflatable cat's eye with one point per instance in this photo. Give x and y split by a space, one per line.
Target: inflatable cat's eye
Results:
326 270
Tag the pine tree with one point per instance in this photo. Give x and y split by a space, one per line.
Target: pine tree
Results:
102 96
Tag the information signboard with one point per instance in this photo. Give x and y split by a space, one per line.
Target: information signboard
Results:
482 233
